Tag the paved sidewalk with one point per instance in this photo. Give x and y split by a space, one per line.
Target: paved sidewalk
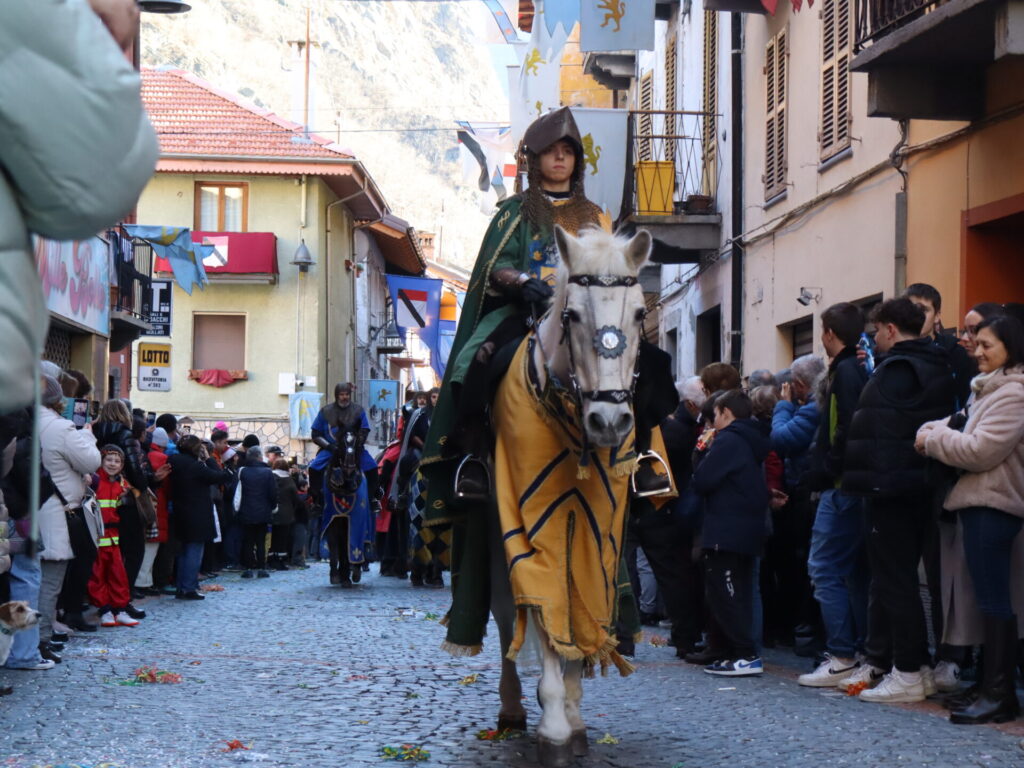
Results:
313 676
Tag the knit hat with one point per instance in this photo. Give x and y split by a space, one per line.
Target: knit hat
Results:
111 449
53 395
159 437
221 425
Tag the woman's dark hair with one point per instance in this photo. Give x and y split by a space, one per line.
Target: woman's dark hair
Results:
138 427
218 434
281 464
116 411
190 444
1009 331
987 309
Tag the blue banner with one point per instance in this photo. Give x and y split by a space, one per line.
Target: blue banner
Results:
384 394
564 12
617 25
175 244
417 305
302 410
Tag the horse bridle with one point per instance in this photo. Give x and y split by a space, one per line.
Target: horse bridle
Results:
609 341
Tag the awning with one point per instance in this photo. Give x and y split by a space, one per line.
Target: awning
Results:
236 253
398 243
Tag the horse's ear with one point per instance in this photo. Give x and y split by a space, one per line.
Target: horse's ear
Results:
564 242
638 249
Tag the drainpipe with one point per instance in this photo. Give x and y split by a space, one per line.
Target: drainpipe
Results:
736 334
300 278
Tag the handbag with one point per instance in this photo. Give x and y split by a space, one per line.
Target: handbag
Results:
145 502
85 523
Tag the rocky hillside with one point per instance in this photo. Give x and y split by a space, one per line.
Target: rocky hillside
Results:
384 67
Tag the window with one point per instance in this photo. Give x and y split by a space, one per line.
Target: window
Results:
709 338
709 131
835 77
646 122
670 99
218 341
775 65
221 207
802 337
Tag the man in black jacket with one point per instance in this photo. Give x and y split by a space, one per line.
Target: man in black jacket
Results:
964 366
836 562
913 383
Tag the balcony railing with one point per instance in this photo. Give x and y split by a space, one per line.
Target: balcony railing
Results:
133 271
878 18
674 164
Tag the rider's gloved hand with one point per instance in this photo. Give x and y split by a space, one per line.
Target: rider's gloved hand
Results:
535 291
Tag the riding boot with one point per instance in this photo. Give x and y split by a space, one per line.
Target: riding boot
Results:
997 702
357 572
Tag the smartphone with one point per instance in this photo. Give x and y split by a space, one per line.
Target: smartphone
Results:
80 412
150 418
293 460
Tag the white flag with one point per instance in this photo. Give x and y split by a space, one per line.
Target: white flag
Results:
603 132
538 91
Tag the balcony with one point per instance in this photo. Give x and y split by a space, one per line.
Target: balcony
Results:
671 183
927 59
130 289
736 6
240 257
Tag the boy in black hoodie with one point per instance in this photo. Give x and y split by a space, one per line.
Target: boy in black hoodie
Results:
731 480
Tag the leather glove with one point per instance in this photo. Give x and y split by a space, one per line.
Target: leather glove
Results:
535 291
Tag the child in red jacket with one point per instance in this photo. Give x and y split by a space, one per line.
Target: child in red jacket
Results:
108 587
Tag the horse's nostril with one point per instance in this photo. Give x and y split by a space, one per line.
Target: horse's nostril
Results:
596 422
624 423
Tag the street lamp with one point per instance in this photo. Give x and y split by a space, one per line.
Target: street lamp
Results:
302 259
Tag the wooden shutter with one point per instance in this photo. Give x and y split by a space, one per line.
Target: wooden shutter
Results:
835 77
709 130
670 98
776 87
646 122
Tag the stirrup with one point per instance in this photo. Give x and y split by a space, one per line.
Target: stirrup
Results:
472 480
651 476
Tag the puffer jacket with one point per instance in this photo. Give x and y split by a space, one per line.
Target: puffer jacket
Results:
67 454
990 449
137 471
76 150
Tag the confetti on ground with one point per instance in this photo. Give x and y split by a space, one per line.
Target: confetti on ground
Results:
150 674
231 746
358 677
211 588
362 722
411 695
854 689
607 739
407 752
431 616
730 688
194 663
469 679
658 641
503 735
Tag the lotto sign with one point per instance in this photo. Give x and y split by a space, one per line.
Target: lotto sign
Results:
411 311
154 367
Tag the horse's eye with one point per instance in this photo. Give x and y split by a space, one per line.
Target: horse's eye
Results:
640 315
573 315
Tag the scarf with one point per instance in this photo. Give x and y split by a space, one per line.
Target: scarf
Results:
978 382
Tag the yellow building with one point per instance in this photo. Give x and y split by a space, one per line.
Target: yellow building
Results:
267 325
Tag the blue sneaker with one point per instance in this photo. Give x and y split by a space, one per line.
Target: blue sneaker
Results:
736 667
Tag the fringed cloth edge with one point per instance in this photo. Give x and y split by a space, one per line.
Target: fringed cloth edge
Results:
607 655
461 650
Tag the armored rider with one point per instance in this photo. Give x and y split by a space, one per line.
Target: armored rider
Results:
334 421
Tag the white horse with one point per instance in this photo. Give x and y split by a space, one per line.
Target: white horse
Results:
589 342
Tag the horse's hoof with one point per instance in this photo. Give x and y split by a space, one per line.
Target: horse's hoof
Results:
551 754
512 722
580 745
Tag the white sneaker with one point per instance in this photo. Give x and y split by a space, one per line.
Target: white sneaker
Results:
896 687
947 676
108 620
829 673
865 673
38 666
124 620
928 681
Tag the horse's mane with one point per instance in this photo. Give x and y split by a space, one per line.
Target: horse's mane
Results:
601 253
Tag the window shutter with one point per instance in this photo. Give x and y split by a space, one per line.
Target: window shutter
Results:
670 98
709 130
835 77
646 119
775 115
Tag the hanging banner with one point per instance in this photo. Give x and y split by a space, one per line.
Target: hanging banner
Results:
303 408
538 89
160 309
417 304
154 374
616 25
604 155
384 394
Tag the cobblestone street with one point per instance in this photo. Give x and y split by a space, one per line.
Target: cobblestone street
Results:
310 675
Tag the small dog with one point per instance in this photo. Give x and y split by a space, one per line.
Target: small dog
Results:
14 617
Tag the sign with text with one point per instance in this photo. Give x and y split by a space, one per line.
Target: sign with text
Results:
154 367
160 309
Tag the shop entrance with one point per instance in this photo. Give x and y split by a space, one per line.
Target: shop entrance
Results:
992 253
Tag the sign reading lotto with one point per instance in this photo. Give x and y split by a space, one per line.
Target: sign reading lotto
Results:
154 367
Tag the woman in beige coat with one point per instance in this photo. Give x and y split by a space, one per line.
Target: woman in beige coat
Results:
989 500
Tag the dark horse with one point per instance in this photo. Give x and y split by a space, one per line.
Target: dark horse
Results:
346 522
